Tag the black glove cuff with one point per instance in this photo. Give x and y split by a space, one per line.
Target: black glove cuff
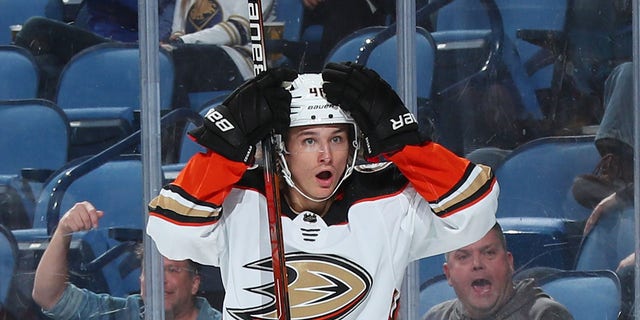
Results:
212 141
374 147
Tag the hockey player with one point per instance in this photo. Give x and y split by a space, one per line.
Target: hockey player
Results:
349 230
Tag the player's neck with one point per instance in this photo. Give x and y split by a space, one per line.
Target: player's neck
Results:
298 203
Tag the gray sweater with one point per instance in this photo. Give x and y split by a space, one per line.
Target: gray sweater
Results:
527 303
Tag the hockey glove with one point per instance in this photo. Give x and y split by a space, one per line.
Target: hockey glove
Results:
258 106
385 122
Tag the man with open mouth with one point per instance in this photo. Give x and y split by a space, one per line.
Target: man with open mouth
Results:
481 274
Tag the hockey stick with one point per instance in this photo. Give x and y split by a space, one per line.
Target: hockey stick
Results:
272 192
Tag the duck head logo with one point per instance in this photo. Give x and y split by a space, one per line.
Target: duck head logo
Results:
320 287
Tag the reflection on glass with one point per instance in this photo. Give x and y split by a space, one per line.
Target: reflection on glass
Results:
525 88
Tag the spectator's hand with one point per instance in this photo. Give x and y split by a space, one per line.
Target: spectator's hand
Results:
605 206
384 120
260 105
628 261
167 47
81 217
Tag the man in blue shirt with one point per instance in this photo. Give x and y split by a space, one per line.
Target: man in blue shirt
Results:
63 300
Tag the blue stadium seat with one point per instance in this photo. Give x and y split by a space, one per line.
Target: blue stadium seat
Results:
8 263
19 74
536 203
534 30
465 24
34 134
588 295
350 48
99 182
528 30
99 90
536 178
610 240
433 292
376 48
541 241
430 267
14 12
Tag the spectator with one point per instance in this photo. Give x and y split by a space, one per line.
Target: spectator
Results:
62 300
609 190
210 45
614 141
53 43
349 231
482 276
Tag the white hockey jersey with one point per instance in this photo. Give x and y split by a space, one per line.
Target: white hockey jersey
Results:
348 264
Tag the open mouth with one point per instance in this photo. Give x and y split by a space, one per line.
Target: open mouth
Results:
481 286
324 175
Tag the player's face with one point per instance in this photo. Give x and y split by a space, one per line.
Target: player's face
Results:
180 285
317 157
481 275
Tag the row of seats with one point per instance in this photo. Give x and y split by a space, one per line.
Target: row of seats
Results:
461 30
98 90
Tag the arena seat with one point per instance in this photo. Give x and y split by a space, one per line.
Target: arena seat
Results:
536 178
434 291
34 134
610 240
99 90
19 74
479 71
350 48
530 31
375 47
541 241
541 217
588 295
17 12
430 267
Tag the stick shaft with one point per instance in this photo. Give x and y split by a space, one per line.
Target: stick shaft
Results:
272 191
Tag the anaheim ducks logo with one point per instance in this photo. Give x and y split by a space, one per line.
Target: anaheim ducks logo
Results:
320 287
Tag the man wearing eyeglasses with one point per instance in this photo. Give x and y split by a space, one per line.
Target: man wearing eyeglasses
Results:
60 299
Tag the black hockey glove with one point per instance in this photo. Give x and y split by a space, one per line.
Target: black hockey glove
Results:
386 123
258 106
